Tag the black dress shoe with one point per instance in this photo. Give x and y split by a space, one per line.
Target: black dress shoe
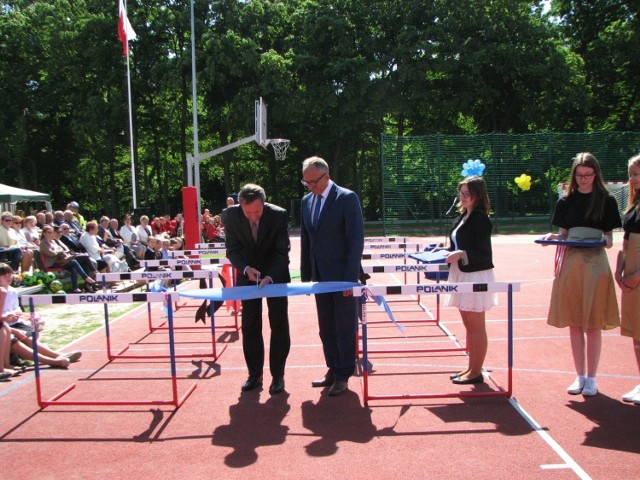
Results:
277 385
468 381
252 383
338 388
327 381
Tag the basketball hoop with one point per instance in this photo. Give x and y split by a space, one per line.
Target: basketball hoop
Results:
280 146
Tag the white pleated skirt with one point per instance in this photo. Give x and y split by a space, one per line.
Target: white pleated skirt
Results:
471 302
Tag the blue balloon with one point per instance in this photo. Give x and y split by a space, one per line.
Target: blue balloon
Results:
472 167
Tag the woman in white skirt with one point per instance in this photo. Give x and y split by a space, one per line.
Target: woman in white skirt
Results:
470 260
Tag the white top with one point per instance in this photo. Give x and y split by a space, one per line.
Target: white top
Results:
143 234
128 234
11 304
90 244
31 234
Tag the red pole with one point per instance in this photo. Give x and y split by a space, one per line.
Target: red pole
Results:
191 224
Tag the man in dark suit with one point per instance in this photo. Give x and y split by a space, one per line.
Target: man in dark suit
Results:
257 242
332 241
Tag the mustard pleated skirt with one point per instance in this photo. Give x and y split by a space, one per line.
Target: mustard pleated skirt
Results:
630 302
583 294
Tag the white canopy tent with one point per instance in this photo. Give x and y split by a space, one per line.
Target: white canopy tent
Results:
9 196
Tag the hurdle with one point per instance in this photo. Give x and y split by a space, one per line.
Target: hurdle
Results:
216 249
186 253
105 299
423 268
197 262
210 245
162 275
364 292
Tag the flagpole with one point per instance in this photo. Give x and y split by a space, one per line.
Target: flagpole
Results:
133 165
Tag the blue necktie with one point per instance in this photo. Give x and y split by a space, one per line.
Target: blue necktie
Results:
316 211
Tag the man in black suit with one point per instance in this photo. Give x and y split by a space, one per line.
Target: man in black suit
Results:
332 241
257 242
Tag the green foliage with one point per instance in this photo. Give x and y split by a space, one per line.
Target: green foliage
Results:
336 75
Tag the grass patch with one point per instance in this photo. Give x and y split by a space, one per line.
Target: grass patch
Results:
66 323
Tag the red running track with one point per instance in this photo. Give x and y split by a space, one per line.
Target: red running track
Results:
542 432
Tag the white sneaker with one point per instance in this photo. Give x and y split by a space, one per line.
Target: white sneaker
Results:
576 387
628 397
636 399
590 387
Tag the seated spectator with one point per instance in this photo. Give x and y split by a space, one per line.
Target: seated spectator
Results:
40 220
58 217
71 242
101 255
55 256
166 225
156 225
19 322
75 228
88 264
114 241
74 207
9 247
128 251
143 230
130 237
28 248
213 230
30 231
48 218
153 252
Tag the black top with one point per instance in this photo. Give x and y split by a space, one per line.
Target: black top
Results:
571 211
631 222
474 237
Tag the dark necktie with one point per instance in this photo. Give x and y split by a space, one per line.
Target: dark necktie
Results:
254 231
316 211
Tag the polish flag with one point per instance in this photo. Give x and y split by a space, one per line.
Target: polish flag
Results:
125 30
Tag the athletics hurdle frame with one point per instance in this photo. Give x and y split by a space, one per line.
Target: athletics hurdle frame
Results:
163 275
420 268
106 298
197 262
212 249
360 293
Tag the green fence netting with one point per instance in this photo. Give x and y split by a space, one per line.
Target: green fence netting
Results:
421 173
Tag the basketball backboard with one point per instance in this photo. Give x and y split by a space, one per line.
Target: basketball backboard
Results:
261 123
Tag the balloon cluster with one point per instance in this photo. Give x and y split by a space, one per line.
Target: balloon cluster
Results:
524 182
472 167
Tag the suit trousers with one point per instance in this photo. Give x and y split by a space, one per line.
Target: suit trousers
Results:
337 319
252 341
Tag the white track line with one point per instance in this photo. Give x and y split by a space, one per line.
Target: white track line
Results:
555 446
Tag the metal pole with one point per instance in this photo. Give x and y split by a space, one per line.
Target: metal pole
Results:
133 165
194 94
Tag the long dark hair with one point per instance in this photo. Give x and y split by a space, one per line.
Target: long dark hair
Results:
600 192
478 190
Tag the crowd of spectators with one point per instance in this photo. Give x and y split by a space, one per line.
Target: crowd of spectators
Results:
98 246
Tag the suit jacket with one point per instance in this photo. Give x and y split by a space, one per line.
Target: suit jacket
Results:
271 253
332 250
474 237
72 244
50 250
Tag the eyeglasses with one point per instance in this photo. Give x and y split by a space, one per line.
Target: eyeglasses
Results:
464 194
312 183
7 219
585 177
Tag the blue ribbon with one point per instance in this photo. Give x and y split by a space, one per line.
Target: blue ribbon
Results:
252 292
272 290
382 302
